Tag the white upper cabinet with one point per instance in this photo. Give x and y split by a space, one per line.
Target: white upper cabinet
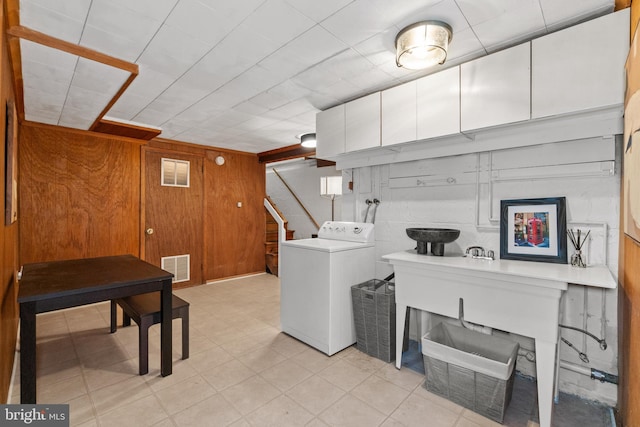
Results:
399 114
580 68
438 104
496 89
330 132
362 120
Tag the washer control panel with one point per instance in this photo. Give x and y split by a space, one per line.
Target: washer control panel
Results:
349 231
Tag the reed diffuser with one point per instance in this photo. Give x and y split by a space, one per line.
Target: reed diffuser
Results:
577 240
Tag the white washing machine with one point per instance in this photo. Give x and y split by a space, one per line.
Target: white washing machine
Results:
316 279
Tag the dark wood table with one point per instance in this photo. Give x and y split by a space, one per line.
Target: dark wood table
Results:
49 286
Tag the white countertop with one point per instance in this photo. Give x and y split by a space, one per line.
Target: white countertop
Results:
593 275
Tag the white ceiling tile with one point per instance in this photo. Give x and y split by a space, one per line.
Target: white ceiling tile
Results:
149 83
172 52
380 48
566 12
92 102
128 105
244 47
153 117
75 9
154 9
99 77
112 44
318 10
356 22
308 49
233 12
277 21
119 19
44 72
50 57
512 24
214 70
251 108
51 22
463 44
477 12
199 21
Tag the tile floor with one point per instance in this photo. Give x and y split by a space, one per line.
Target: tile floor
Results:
242 372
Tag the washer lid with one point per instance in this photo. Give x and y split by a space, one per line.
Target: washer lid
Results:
326 245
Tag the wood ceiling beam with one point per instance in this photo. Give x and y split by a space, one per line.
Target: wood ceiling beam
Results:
17 32
286 153
622 4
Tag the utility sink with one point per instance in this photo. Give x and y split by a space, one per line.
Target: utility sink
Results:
436 236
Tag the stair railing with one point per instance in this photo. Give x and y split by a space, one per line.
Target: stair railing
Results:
282 234
297 199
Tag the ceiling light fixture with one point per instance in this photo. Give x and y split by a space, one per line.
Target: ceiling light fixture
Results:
423 44
308 140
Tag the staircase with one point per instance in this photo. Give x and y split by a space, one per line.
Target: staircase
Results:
271 240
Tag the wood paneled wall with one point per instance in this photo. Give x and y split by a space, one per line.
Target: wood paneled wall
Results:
233 236
79 194
629 309
8 236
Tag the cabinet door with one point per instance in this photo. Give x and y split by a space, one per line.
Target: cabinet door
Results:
580 68
363 123
496 89
399 114
438 104
330 132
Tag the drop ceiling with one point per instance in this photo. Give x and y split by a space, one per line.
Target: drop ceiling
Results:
250 75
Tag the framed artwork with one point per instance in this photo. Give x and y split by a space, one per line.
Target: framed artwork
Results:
534 230
11 164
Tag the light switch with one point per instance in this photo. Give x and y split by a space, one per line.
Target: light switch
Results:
239 204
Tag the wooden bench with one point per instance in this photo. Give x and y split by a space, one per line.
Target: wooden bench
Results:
144 309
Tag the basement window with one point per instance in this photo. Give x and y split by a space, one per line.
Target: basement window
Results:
177 265
175 173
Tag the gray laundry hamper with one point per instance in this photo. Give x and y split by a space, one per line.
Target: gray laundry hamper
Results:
469 368
374 315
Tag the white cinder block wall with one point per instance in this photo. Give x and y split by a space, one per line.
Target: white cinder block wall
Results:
303 177
464 192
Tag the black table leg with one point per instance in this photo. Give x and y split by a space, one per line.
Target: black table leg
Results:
28 352
166 345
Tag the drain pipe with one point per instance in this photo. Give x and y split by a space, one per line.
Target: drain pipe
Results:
594 374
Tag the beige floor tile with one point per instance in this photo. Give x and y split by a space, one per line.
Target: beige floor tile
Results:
314 360
184 394
54 350
89 423
122 393
167 422
240 423
250 394
181 371
352 412
344 375
286 374
417 411
404 378
390 422
478 419
212 412
99 377
316 422
315 394
286 345
204 361
261 359
81 410
280 412
62 391
464 422
363 360
380 393
54 372
228 374
143 412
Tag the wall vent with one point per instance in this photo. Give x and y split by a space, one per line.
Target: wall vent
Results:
177 265
175 173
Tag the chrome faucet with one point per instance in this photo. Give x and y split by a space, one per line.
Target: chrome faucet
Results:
478 252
